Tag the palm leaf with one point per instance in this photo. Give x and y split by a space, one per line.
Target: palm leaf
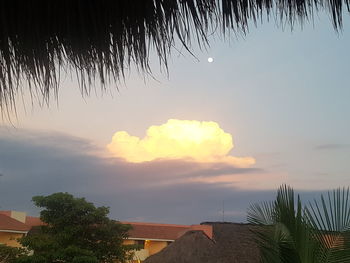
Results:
284 235
101 40
261 214
330 219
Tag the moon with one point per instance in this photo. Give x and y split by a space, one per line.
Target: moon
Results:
210 59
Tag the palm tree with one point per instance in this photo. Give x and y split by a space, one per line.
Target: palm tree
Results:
102 39
289 231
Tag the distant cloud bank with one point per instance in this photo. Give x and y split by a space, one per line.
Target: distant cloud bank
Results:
169 191
332 146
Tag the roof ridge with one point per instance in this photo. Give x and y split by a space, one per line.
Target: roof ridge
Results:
154 224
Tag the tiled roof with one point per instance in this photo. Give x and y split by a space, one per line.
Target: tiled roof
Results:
9 224
7 213
139 230
156 231
33 221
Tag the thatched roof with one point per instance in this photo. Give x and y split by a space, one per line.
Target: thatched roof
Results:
193 244
103 38
231 243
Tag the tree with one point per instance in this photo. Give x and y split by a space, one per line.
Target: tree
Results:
289 231
75 231
41 39
10 254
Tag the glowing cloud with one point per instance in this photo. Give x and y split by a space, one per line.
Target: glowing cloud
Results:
203 142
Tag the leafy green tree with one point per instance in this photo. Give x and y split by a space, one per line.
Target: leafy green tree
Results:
10 254
291 232
75 231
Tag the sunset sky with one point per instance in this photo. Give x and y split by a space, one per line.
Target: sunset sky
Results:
272 108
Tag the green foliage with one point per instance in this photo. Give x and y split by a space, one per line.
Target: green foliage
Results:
315 233
75 231
10 254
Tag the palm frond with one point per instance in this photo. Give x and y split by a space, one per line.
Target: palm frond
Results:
100 40
286 236
330 220
261 214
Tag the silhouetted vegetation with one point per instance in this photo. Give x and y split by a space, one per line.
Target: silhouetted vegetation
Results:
318 232
10 254
75 231
102 39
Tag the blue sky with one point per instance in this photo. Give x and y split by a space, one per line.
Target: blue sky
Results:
282 95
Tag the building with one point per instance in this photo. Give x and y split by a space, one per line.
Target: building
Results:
230 243
150 238
14 225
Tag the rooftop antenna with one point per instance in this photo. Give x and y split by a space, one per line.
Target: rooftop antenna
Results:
223 210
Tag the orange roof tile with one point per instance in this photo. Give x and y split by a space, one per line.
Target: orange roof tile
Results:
6 213
9 224
156 231
33 221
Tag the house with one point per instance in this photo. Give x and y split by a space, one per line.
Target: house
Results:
13 226
230 243
152 237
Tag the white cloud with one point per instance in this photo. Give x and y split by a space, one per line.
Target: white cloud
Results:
203 142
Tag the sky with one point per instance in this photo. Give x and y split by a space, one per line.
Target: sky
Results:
272 108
